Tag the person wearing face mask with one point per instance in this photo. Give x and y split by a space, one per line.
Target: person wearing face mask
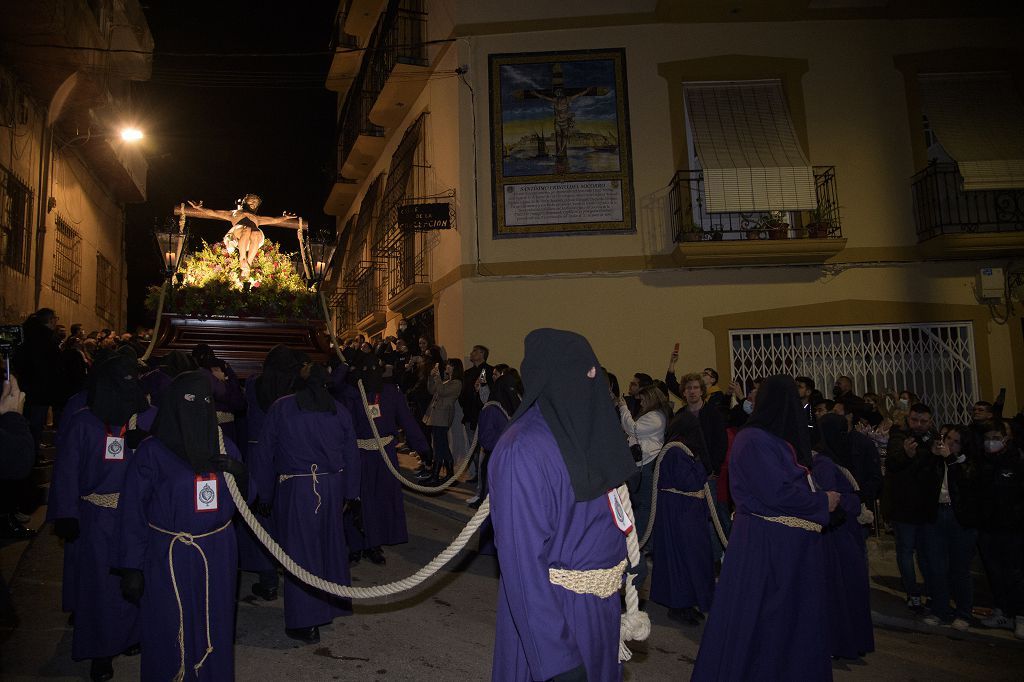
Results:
177 556
307 464
1000 485
88 478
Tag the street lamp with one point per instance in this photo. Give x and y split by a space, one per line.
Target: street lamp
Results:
131 134
320 250
170 240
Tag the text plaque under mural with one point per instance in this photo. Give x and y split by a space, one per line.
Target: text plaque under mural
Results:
545 203
560 146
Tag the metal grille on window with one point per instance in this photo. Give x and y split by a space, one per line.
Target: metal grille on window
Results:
15 214
363 269
106 292
936 361
403 251
67 261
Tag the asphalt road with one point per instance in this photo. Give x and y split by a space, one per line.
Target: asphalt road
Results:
442 631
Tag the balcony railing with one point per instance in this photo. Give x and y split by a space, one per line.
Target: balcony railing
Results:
402 38
342 307
693 223
941 206
339 39
362 280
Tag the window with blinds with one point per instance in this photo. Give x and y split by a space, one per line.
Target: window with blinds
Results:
979 119
745 142
15 216
106 290
67 261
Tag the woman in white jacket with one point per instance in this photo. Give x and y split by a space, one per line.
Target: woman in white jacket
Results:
647 431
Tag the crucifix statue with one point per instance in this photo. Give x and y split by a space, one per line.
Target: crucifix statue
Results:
561 99
245 235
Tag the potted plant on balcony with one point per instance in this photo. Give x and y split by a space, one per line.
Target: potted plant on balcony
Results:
774 224
819 223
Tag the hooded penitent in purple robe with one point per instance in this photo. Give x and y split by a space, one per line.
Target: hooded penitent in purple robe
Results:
308 511
105 624
383 508
848 593
683 575
767 620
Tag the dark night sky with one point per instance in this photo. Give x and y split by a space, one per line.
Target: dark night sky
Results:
266 126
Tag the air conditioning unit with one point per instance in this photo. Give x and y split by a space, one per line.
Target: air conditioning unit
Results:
991 284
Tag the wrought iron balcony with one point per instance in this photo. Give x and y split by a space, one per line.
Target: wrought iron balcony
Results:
692 223
942 207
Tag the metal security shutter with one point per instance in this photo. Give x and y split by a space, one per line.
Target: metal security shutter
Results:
935 361
747 147
979 120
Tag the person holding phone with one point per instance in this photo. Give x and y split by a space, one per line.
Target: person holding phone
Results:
445 390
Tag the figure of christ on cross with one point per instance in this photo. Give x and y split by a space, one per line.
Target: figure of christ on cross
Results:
245 233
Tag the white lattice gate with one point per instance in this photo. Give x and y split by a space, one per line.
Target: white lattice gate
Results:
935 361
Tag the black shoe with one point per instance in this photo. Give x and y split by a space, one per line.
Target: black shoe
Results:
375 554
133 650
12 529
353 557
101 669
306 635
264 593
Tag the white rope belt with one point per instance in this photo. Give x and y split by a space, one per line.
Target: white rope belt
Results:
600 582
105 500
688 493
792 522
314 473
371 443
225 417
189 540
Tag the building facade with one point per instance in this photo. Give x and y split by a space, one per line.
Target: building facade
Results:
813 188
65 174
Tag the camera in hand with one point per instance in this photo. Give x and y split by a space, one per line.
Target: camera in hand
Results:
924 441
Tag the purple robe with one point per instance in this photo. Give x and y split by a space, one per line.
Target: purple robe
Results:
252 555
383 507
490 425
75 403
848 593
767 621
308 515
684 574
542 629
160 490
105 624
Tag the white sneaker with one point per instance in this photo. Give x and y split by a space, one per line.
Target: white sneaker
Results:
961 625
932 620
1018 630
998 620
473 500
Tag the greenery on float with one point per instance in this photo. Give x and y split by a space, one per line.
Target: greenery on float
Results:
210 283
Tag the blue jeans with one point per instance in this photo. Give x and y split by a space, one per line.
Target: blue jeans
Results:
442 451
950 549
911 537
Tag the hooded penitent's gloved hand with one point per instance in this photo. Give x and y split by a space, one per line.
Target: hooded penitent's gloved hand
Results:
836 518
133 584
262 508
578 674
236 469
66 529
134 437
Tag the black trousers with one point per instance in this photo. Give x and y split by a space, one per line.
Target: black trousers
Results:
1002 552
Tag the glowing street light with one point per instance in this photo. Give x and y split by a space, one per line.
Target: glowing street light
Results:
131 134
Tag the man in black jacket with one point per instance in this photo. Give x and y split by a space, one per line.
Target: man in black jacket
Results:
913 478
17 453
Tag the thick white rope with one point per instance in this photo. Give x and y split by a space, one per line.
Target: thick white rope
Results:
654 496
156 325
635 624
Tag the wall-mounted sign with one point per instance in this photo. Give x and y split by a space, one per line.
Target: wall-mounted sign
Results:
424 217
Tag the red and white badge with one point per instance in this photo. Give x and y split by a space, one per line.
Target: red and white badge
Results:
374 409
619 512
113 451
206 492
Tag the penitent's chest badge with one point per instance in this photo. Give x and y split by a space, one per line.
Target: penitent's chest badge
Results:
619 512
206 493
374 411
114 451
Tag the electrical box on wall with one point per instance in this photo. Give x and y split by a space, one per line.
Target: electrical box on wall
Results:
990 284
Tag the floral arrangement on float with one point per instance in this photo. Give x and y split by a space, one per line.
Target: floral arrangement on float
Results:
213 282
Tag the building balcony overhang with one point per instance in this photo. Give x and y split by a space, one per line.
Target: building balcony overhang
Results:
757 252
